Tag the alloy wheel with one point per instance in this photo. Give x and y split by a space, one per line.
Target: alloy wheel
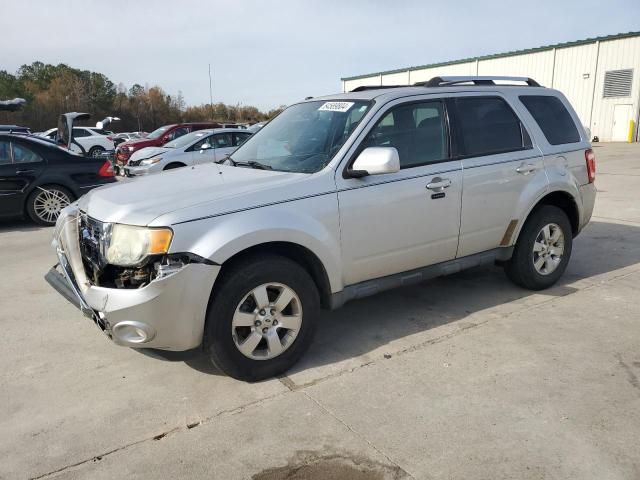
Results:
267 321
48 204
548 249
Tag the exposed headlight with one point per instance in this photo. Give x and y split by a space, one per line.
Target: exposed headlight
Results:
150 161
129 245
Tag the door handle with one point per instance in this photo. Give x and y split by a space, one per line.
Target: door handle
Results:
25 172
439 183
526 169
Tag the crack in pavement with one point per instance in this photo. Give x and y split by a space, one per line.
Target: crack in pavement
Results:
357 434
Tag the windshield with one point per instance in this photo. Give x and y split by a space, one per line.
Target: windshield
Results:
304 138
187 139
157 133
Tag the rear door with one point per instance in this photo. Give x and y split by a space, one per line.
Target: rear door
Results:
502 169
20 166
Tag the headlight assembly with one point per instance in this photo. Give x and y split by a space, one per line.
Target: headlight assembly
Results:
129 245
150 161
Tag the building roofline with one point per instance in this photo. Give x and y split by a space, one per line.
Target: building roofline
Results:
543 48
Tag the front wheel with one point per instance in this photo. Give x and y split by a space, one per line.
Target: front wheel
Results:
262 318
543 249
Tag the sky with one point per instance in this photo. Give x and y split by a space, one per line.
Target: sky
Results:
275 52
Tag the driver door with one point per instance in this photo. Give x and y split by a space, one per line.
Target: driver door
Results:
396 222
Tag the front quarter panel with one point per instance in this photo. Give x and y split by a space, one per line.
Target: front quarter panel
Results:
309 222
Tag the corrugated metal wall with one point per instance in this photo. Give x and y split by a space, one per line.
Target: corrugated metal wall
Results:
577 71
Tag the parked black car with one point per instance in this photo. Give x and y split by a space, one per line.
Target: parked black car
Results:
40 178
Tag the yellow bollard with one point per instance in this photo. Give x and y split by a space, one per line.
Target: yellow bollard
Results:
630 136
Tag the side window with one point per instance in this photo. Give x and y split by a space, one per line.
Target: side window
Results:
222 140
240 138
5 154
80 132
552 117
178 132
416 130
22 154
487 126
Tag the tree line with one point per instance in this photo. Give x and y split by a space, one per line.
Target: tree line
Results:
54 89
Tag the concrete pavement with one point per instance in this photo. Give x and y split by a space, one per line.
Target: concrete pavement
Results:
465 377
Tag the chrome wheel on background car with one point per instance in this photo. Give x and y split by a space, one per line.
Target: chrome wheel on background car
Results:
267 321
548 249
47 203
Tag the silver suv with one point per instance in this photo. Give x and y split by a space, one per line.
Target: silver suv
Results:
337 198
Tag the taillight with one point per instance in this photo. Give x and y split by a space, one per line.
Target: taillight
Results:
590 157
110 138
106 170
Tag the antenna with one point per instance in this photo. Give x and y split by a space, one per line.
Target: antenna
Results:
210 93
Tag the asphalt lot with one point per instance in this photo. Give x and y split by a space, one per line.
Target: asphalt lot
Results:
463 377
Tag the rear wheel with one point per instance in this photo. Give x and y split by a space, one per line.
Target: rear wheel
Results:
543 249
96 151
262 318
46 202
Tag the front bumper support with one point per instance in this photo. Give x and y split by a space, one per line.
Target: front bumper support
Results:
168 313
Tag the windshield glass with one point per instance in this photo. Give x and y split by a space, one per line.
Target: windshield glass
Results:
157 133
305 137
187 139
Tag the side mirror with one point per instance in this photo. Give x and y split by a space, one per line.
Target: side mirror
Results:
204 146
375 161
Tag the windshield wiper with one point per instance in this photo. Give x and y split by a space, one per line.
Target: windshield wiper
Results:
228 157
252 164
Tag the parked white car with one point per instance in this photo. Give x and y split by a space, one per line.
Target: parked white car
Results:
201 146
94 140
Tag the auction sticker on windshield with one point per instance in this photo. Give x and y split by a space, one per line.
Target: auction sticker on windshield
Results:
335 106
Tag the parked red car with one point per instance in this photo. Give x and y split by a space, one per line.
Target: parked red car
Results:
158 138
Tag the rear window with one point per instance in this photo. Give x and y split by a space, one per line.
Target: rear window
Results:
553 118
488 126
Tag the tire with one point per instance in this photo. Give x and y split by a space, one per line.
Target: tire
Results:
171 166
540 269
223 337
45 203
96 151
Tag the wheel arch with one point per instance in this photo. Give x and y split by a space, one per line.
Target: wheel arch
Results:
54 183
562 199
293 251
171 165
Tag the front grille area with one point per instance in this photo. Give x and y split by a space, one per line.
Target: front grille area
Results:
92 240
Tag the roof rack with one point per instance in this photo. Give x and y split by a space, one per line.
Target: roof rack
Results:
452 81
480 81
376 87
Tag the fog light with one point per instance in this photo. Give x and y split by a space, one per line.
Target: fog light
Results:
133 332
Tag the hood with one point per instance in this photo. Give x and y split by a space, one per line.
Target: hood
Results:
191 192
148 152
139 143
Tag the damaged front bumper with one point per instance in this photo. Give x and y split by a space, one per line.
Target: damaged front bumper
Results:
168 313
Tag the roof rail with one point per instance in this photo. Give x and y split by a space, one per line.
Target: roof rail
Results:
362 88
485 80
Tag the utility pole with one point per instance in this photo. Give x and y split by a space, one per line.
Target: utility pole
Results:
210 93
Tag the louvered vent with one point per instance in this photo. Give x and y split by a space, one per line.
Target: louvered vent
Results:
617 83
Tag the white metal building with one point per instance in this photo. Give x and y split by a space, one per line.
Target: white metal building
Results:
600 76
